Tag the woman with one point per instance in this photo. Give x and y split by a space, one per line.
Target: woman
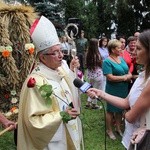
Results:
116 71
125 54
103 50
131 50
138 90
94 70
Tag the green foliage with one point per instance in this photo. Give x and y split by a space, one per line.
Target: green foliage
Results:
54 11
97 15
106 13
94 129
73 9
7 141
46 91
125 27
90 20
65 116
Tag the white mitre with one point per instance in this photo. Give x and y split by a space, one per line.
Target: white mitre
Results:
43 34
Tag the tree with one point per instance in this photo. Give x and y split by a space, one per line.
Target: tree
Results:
53 10
90 20
73 9
97 16
106 13
125 19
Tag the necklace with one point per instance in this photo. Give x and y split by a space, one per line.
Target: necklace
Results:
118 62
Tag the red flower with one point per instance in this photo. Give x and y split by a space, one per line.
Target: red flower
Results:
31 83
6 96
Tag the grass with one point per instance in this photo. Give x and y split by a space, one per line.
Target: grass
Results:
93 129
7 141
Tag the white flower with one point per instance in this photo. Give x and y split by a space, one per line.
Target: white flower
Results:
8 48
2 48
14 100
28 46
8 114
13 92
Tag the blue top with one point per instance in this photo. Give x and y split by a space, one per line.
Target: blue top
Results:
115 88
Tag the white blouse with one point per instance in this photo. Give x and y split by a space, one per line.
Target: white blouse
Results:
132 98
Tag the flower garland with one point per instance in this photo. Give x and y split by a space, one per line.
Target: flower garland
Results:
12 113
12 95
15 60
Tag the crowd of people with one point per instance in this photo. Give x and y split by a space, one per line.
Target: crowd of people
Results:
137 101
117 67
49 103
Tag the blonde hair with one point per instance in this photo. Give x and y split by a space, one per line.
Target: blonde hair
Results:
113 44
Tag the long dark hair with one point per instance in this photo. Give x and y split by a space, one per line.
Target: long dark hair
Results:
101 41
93 58
144 39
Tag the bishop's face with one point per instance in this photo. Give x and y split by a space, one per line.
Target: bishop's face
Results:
52 58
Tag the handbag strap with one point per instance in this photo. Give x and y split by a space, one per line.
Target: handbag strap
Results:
135 146
148 113
148 119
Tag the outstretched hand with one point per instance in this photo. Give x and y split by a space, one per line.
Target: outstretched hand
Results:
94 93
7 123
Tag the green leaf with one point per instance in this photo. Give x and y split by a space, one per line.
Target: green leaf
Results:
46 91
43 93
49 100
65 116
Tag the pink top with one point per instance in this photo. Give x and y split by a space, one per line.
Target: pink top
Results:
126 56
